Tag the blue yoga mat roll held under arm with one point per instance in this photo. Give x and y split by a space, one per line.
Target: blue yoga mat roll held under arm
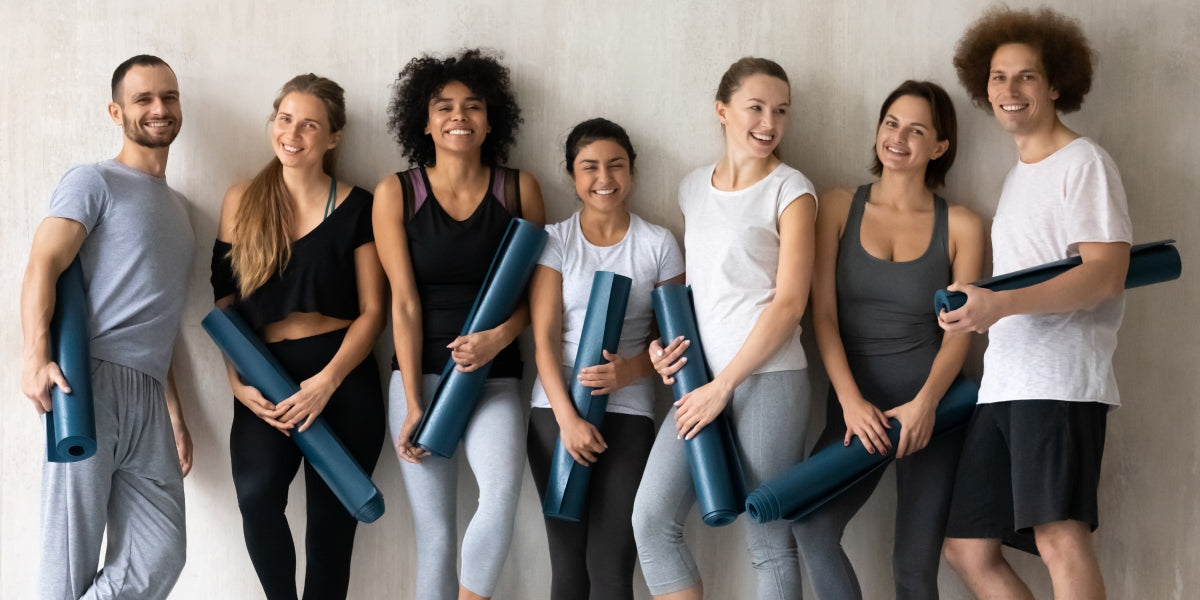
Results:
712 454
320 446
807 486
1153 262
445 419
71 423
566 489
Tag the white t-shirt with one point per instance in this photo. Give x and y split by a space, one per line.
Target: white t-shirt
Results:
648 254
1046 209
732 244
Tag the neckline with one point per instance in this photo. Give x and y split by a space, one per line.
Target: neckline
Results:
928 247
336 209
578 216
429 195
712 169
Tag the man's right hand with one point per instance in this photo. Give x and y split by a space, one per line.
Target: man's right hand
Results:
37 379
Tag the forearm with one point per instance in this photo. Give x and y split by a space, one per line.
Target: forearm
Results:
947 364
174 408
1080 288
511 328
37 308
356 346
406 339
555 386
833 355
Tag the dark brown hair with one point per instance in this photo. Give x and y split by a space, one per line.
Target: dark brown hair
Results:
141 60
1066 55
945 124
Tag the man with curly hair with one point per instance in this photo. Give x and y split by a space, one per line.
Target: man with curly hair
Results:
1031 462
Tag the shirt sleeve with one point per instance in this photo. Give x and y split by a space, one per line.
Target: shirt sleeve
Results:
221 278
1096 209
363 231
82 196
794 186
670 259
552 254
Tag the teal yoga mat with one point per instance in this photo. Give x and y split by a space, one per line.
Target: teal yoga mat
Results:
712 454
445 419
320 446
71 424
1153 262
566 489
807 486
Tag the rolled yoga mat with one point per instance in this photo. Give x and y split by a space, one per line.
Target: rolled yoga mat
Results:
712 454
320 446
807 486
445 419
566 489
1154 262
71 423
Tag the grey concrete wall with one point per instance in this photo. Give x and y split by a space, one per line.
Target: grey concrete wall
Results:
651 66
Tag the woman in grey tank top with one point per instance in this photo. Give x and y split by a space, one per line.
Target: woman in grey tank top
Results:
882 250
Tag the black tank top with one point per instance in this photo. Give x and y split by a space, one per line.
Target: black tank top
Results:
884 306
450 260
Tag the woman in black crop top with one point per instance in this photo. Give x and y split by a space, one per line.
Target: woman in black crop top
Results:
882 251
438 226
295 255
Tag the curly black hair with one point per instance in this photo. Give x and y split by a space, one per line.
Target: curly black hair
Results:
1066 54
425 76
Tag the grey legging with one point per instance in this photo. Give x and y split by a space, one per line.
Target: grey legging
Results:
769 414
494 445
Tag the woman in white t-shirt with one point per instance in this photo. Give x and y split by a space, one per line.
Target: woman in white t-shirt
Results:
749 231
595 556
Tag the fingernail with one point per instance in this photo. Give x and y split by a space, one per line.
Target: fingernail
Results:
683 360
660 352
687 342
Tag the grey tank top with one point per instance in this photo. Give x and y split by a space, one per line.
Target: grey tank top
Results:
885 307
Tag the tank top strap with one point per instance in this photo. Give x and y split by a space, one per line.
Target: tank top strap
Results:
941 225
851 232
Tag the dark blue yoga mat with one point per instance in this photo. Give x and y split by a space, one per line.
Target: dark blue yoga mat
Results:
566 490
1154 262
712 454
807 486
320 446
445 419
71 424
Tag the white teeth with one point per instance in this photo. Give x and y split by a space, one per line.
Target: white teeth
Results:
1012 107
290 148
460 132
604 192
762 137
894 150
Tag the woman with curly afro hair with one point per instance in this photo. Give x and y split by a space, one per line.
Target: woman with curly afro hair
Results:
437 226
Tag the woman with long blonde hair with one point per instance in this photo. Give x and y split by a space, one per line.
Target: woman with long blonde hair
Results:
295 255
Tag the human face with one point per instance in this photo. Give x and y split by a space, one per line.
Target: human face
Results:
300 133
906 139
603 175
756 116
1021 95
149 112
457 119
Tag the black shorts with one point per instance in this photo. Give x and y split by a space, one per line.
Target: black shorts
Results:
1027 463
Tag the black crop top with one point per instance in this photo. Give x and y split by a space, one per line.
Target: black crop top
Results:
320 277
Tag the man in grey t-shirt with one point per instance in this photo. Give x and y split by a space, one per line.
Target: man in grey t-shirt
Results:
133 239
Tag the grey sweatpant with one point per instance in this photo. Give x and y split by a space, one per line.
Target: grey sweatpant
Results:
132 486
494 446
769 413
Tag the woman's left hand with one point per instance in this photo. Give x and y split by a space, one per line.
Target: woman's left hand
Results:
306 404
699 407
916 424
474 350
609 377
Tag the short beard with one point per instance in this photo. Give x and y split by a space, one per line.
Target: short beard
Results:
143 138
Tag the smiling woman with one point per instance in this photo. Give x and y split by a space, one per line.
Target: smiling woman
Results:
295 255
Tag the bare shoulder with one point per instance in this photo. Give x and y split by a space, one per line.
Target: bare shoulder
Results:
229 208
835 204
963 221
388 187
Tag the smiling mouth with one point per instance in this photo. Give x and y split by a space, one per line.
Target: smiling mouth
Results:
1010 108
157 124
292 149
762 137
460 132
894 150
604 192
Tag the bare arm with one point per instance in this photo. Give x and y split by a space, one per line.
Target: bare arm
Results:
917 416
183 438
391 242
775 325
55 244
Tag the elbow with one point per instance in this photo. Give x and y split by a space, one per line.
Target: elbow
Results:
792 308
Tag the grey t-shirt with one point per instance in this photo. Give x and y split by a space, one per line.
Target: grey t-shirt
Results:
136 260
648 254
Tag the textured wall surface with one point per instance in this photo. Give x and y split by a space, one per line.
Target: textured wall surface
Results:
652 66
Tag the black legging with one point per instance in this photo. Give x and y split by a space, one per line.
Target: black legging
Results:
594 558
265 461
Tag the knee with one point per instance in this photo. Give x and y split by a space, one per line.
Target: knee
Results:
771 546
648 524
1063 543
966 555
